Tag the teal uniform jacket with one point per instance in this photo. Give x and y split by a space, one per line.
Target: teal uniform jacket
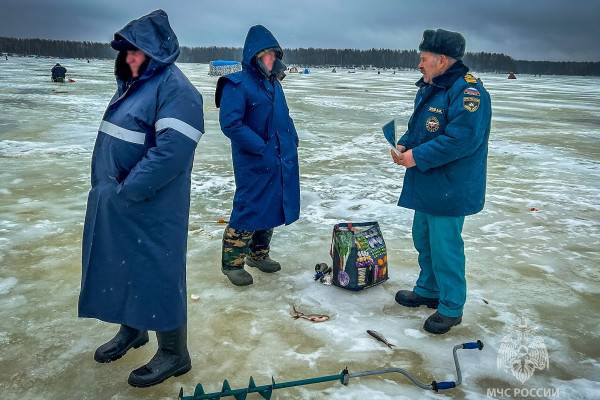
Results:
448 134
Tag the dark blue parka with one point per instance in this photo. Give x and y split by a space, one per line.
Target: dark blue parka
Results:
58 71
136 224
448 134
255 116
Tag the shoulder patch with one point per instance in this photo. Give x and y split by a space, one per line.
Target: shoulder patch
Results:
470 78
471 104
471 91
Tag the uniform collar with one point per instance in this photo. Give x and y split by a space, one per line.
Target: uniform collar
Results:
447 79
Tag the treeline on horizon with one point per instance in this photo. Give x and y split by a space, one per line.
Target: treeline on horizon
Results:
379 58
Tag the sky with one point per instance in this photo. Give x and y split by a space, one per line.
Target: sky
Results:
556 30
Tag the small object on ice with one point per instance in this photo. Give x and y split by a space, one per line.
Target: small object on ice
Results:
321 270
194 297
485 301
309 317
534 209
380 337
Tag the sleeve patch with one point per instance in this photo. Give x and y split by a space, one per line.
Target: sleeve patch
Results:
471 91
471 104
470 78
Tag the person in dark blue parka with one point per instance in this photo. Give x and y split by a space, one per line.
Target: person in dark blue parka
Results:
136 223
58 73
255 116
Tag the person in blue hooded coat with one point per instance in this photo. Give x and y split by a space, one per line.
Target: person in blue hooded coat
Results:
136 223
255 117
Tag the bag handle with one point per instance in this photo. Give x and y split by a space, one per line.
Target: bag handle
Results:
331 244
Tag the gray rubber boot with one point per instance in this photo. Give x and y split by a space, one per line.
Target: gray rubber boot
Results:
265 265
238 276
171 359
125 339
438 323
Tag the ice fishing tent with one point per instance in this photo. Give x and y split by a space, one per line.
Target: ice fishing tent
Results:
223 67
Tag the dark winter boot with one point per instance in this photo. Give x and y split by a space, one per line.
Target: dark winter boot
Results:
259 252
235 248
116 347
408 298
238 276
438 323
171 359
265 264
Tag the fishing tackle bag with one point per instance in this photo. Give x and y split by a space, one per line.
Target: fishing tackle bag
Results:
359 255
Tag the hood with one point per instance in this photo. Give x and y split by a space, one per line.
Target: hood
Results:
258 39
153 35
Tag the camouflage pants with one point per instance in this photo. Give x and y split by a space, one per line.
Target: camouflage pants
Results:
237 244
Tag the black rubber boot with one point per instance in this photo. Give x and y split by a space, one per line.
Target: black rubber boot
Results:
408 298
171 359
238 276
265 265
115 348
438 323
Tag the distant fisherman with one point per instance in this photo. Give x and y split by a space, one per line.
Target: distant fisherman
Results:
58 73
136 223
255 116
445 152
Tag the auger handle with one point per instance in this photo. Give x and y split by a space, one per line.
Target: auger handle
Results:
443 385
473 345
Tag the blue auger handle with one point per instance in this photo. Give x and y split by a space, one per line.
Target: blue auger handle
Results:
473 345
443 385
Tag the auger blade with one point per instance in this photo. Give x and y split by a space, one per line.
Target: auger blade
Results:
268 393
251 384
199 391
240 396
226 388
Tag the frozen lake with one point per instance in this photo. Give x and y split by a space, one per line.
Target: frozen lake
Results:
542 266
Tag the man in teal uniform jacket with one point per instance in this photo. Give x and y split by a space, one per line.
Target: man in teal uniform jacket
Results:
445 152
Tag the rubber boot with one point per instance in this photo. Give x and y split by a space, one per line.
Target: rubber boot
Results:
171 359
234 251
125 339
438 323
264 264
237 275
408 298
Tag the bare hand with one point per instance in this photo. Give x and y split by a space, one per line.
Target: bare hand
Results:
405 158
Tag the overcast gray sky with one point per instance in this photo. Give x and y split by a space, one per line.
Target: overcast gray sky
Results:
524 29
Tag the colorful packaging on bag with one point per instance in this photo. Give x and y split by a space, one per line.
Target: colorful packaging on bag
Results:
359 255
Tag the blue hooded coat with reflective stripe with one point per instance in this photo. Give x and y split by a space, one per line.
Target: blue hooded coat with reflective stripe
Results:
255 116
136 224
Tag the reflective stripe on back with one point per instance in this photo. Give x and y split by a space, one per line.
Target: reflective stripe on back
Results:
180 126
122 133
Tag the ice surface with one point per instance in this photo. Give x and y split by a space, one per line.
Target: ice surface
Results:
544 266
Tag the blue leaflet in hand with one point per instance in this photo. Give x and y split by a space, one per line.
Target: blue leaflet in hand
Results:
389 131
